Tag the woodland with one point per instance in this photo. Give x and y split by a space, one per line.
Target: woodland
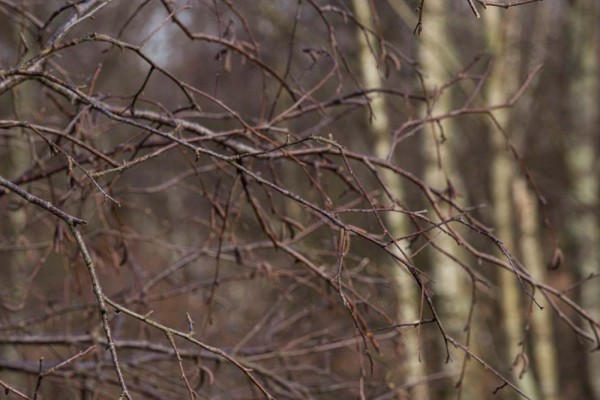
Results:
299 199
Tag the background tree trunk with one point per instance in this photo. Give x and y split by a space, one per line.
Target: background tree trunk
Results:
16 160
582 160
542 336
407 295
451 287
502 31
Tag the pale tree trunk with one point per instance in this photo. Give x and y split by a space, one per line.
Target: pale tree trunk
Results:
445 49
582 160
13 163
451 283
16 161
502 31
407 295
541 320
542 331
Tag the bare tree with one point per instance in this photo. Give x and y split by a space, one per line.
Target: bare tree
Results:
206 214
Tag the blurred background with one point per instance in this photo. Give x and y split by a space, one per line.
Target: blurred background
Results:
303 199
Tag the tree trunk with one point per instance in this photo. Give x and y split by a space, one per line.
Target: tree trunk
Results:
440 172
582 161
502 35
13 163
541 320
407 295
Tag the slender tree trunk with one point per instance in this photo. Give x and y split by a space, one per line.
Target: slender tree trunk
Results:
407 295
541 320
582 160
440 172
502 34
13 163
542 331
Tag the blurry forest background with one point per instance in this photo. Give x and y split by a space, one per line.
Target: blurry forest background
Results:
299 199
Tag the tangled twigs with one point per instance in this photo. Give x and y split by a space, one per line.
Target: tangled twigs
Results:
213 127
102 300
73 223
170 332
